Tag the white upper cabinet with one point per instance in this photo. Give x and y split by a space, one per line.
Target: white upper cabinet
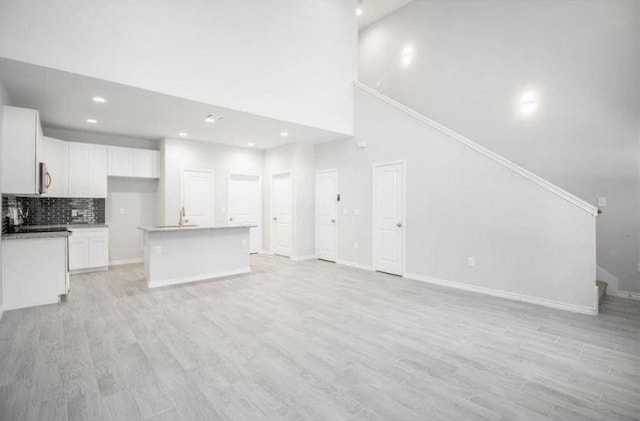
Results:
56 154
120 163
87 170
21 150
130 162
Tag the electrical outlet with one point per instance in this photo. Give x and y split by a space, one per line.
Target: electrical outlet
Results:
471 261
121 211
602 202
158 250
356 246
345 211
74 212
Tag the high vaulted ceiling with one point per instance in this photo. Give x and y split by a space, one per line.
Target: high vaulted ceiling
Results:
373 10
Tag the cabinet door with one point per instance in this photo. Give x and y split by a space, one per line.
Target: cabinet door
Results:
78 252
147 163
98 251
79 169
21 146
120 161
56 154
98 173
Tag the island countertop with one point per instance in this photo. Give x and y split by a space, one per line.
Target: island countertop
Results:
168 228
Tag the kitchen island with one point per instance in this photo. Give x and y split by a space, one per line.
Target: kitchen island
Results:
176 255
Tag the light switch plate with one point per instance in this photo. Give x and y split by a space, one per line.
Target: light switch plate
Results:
471 261
345 211
602 201
356 246
158 250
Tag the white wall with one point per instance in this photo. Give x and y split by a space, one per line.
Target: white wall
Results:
289 60
72 135
177 155
472 62
4 100
525 239
298 159
131 203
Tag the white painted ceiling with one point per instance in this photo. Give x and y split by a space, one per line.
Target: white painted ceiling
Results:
65 101
373 10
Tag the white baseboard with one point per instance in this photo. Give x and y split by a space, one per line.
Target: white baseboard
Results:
1 313
196 278
629 294
508 295
125 261
302 258
90 270
354 264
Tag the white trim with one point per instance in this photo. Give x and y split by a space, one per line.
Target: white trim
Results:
318 172
587 207
303 258
55 300
505 294
271 221
199 277
354 265
88 270
1 313
629 294
125 261
404 211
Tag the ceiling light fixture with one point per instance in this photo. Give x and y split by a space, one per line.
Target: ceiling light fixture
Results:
99 99
92 121
358 11
251 144
284 134
210 119
183 134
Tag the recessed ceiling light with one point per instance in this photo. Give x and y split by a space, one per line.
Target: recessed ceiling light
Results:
251 144
99 99
528 103
210 119
358 11
92 121
183 134
284 134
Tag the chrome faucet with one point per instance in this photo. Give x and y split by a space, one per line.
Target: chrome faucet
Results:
183 220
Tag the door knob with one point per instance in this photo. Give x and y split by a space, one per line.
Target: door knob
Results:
230 219
275 218
333 220
399 225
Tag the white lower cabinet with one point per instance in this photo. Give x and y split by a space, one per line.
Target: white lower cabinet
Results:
88 248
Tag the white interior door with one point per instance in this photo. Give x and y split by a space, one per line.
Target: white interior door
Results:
282 214
245 206
197 196
327 215
388 217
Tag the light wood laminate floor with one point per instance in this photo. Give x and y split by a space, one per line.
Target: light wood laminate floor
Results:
312 341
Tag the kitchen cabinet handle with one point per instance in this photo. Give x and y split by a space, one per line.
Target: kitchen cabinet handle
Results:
50 180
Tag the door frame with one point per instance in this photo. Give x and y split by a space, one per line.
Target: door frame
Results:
375 165
318 172
213 190
261 216
293 215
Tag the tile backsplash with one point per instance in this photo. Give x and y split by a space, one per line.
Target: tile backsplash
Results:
53 210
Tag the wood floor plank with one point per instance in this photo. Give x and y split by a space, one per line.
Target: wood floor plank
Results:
312 341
